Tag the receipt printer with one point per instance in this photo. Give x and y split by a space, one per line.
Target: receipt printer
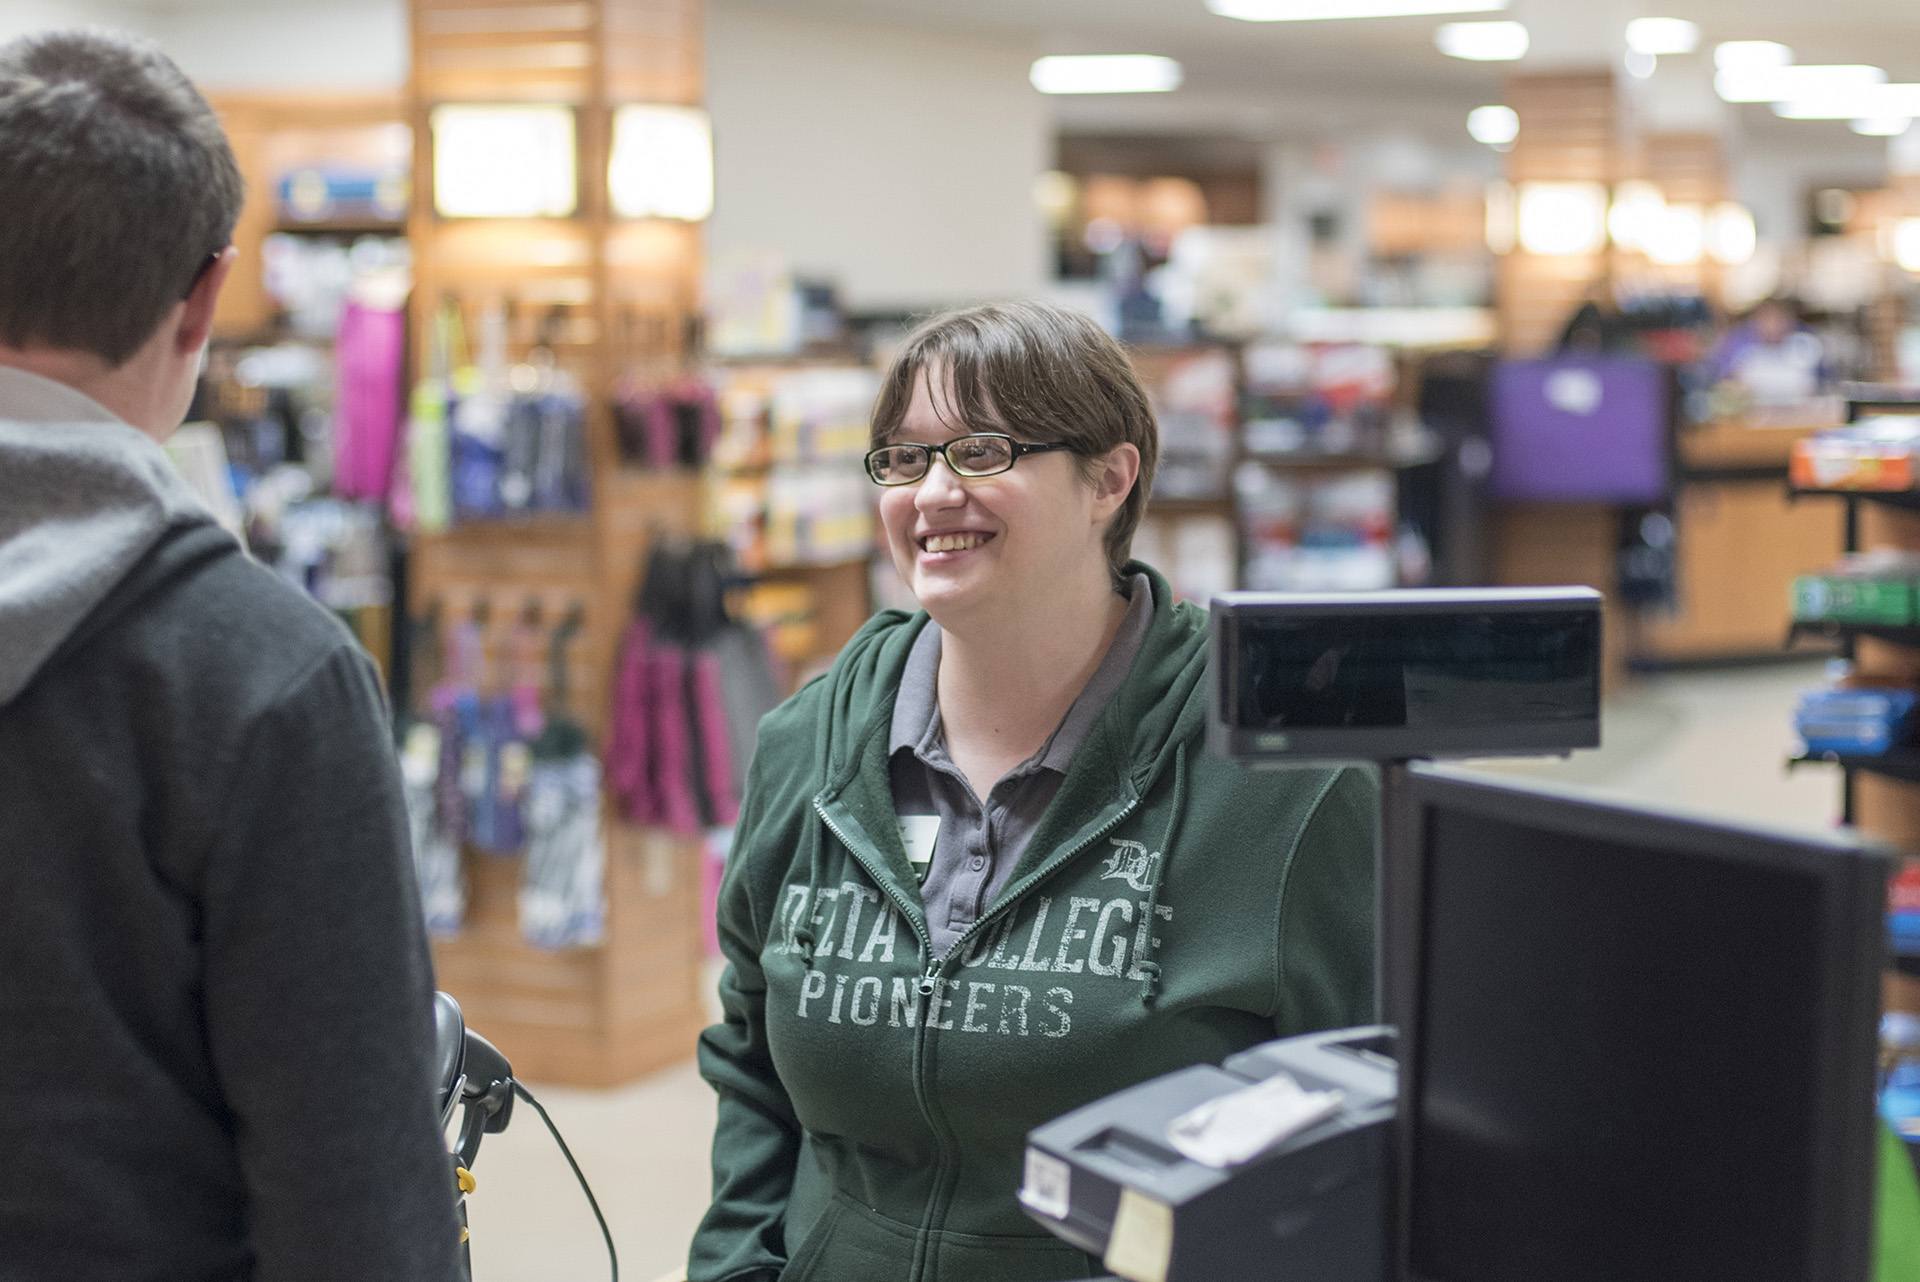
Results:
1115 1179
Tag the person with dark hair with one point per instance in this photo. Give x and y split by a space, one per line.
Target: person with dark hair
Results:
215 1030
984 870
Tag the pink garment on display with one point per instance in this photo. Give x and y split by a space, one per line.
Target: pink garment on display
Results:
368 352
667 717
628 765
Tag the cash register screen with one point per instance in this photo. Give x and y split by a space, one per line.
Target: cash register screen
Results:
1337 671
1617 1061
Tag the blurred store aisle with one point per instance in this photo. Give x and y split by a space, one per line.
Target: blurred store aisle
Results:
1710 741
1713 741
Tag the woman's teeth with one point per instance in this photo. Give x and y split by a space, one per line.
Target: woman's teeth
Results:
952 542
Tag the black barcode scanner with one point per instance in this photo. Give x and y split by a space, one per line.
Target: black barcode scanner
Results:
473 1074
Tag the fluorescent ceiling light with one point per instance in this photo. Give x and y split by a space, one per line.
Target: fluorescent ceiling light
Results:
1658 36
1882 126
1494 125
1319 10
1853 102
1793 83
1563 218
1482 41
1105 73
1744 55
503 161
662 163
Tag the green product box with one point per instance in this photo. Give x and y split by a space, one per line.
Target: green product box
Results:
1838 598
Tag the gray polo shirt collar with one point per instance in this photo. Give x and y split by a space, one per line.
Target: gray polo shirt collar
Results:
916 710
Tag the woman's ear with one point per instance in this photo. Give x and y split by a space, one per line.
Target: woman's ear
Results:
1119 468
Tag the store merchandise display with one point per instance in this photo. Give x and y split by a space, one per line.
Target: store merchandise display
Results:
1878 587
673 425
499 763
1193 403
309 426
788 488
691 687
562 901
1854 720
1873 453
516 434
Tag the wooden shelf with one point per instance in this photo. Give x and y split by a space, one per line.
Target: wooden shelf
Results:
1908 634
1338 462
1906 500
342 227
1901 763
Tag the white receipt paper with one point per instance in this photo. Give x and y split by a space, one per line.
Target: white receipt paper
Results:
1230 1128
1048 1185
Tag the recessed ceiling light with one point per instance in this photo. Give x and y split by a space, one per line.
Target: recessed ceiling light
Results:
1851 102
1482 41
1662 36
1794 83
1493 125
1321 10
1882 126
1105 73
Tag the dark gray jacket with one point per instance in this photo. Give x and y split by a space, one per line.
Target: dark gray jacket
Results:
214 985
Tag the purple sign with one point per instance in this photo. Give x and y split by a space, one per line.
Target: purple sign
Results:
1590 429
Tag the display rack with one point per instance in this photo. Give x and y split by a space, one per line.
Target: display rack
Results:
269 134
1224 501
1880 794
606 297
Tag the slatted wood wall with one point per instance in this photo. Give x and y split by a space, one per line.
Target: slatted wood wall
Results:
612 298
1568 133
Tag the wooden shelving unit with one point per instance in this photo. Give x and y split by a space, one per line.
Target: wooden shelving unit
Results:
612 297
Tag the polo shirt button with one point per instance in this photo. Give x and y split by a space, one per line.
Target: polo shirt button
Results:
978 863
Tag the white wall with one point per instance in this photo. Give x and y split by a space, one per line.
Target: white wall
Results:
19 17
898 164
223 44
329 45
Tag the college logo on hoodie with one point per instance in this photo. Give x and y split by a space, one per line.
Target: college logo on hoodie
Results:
1131 863
1084 935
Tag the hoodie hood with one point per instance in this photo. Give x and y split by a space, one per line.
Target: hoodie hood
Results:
83 497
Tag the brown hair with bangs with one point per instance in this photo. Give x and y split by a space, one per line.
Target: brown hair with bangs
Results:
1038 373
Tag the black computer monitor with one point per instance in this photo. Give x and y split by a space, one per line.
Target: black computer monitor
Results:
1634 1045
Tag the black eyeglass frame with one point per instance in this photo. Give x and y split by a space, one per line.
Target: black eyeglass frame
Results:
1017 451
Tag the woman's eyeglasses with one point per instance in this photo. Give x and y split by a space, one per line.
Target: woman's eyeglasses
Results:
981 454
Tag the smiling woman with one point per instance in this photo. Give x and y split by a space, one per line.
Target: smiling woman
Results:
983 872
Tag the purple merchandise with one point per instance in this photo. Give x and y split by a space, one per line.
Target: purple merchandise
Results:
1581 429
368 350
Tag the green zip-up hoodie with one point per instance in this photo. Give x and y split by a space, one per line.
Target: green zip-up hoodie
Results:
1171 909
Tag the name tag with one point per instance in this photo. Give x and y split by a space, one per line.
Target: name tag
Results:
917 834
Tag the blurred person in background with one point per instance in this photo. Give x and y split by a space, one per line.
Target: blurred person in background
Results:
985 871
215 1032
1768 358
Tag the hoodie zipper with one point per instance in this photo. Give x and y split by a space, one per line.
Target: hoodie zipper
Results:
929 981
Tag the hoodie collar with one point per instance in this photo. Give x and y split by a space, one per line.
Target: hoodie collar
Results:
83 497
29 398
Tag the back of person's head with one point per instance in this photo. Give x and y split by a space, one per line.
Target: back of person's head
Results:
1040 373
117 187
